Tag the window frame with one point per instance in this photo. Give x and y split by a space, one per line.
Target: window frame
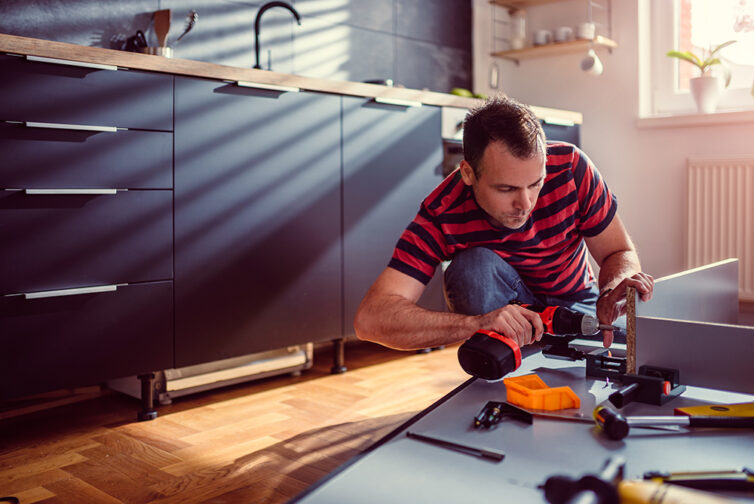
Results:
666 99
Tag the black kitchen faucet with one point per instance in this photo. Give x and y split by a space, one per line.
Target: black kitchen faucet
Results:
258 20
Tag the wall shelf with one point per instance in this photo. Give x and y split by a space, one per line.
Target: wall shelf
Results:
520 4
556 49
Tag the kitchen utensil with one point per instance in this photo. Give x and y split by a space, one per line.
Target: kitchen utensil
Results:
161 20
166 52
136 42
140 40
190 22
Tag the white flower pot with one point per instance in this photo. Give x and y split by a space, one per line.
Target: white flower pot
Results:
706 91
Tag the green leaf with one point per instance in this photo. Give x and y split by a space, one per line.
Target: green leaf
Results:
687 56
708 62
711 61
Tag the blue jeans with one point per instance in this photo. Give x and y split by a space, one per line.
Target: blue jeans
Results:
479 281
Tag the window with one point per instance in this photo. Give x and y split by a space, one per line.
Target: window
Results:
698 26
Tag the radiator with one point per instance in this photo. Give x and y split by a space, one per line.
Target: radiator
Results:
721 216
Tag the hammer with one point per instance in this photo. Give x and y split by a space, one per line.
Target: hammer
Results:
616 426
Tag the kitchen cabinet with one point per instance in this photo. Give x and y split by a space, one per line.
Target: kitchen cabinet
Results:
86 262
257 219
151 222
564 131
392 159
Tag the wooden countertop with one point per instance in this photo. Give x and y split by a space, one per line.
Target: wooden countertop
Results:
61 50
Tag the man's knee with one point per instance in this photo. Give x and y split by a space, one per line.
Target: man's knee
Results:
474 266
479 281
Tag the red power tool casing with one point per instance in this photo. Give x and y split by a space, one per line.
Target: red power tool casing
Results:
491 356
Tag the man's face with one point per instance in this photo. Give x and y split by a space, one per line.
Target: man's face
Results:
507 187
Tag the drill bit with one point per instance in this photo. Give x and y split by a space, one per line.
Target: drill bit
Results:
608 327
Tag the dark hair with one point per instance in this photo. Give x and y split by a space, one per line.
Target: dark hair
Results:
501 119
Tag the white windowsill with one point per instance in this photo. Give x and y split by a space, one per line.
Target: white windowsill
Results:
682 120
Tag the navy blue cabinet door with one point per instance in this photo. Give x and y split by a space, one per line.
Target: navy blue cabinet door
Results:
392 159
257 220
77 340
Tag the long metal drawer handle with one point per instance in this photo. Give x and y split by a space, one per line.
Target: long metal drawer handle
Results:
398 102
72 292
270 87
78 127
56 61
70 191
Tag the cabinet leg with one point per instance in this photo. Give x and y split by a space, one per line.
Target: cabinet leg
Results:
147 397
338 356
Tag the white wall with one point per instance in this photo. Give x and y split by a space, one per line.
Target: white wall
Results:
646 168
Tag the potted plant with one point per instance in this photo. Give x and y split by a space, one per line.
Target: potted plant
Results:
705 88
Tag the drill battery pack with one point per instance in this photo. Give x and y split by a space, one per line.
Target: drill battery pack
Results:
489 355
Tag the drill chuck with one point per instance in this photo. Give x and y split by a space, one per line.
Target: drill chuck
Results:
589 325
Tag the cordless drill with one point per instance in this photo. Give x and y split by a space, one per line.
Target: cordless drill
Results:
491 355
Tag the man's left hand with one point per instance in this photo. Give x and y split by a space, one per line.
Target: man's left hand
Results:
613 304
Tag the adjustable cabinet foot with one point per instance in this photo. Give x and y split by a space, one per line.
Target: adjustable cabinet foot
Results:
338 357
147 398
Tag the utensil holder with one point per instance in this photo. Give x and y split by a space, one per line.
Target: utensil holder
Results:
166 52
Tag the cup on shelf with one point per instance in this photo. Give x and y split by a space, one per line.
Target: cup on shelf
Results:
586 31
542 37
564 34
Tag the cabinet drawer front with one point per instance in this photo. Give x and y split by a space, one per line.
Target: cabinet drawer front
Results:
81 340
54 242
126 159
54 93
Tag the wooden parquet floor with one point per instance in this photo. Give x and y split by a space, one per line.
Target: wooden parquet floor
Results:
260 442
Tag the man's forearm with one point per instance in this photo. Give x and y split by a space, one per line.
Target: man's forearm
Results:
397 322
617 266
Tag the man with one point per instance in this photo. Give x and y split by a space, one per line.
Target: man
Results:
516 219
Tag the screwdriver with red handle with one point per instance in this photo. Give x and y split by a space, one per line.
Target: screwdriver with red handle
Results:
491 355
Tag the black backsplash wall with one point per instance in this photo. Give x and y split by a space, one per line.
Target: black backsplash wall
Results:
417 43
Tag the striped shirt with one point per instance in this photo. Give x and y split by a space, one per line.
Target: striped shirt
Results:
548 252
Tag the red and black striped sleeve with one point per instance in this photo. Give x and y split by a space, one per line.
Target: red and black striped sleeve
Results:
597 204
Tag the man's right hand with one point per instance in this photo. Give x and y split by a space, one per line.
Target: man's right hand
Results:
515 322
